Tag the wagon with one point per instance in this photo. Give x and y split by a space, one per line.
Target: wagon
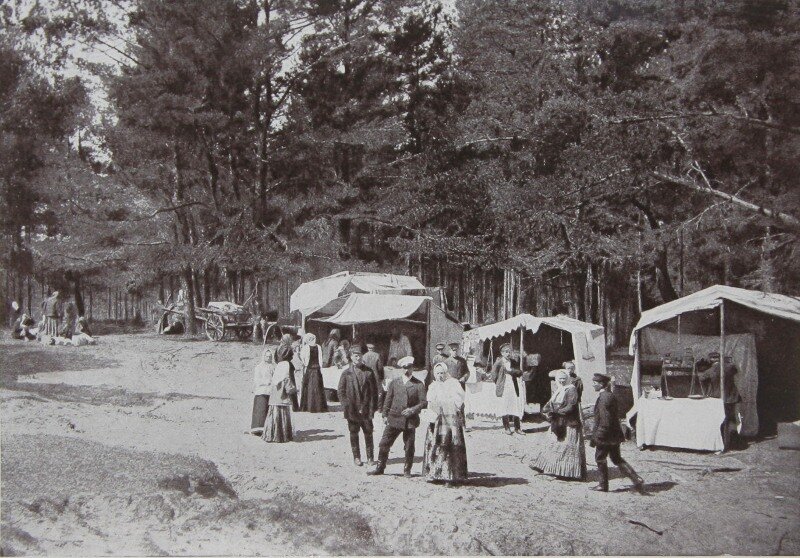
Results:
219 319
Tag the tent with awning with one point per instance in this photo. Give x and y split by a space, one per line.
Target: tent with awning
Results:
556 339
758 331
376 316
313 295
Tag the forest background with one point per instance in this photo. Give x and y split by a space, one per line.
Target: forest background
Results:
593 157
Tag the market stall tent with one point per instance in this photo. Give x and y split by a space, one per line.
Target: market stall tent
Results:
556 338
759 331
313 295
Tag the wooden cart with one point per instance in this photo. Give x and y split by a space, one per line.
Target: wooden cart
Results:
218 320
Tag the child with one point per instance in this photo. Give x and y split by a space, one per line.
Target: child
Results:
278 426
262 386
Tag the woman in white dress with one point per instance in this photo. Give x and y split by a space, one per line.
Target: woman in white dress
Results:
508 387
445 455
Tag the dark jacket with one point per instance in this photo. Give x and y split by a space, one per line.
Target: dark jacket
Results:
710 381
457 368
358 393
566 413
399 396
499 374
607 431
284 352
373 361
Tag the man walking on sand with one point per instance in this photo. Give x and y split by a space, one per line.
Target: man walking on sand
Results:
358 395
405 398
608 436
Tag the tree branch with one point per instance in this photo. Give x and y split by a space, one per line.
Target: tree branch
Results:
706 114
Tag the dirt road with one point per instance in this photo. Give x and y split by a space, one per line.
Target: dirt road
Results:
136 446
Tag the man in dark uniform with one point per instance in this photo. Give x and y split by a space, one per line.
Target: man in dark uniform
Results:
358 395
440 356
608 435
372 359
709 379
405 398
457 365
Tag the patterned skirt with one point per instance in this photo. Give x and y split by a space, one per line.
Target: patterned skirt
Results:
278 426
445 455
563 458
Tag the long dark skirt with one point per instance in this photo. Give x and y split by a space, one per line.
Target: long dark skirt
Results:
293 397
260 408
278 426
443 459
313 396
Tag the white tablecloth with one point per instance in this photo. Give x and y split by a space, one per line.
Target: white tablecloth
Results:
680 423
330 377
482 401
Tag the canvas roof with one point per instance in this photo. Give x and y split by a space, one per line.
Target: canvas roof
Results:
531 323
781 306
365 308
313 295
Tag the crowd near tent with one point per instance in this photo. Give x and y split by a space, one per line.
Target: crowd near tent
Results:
557 339
376 317
759 332
313 295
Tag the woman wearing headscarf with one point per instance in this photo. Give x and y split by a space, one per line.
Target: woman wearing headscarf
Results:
262 387
329 350
564 454
445 456
312 399
52 309
507 388
285 353
278 426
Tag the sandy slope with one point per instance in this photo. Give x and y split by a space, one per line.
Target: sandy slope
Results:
136 446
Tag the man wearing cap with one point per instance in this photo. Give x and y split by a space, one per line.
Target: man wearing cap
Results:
358 395
440 356
457 365
405 398
373 361
608 436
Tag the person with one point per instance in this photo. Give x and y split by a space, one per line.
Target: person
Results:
51 314
82 335
569 366
399 348
441 354
607 435
372 359
405 398
22 328
507 387
710 381
564 455
358 394
445 455
278 425
312 398
285 352
329 350
457 365
262 387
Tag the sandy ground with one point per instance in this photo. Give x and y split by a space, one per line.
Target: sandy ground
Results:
136 446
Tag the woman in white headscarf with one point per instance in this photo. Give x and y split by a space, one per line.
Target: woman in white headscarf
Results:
278 426
312 398
262 387
445 456
564 453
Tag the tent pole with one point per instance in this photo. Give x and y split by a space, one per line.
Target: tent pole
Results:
521 357
722 349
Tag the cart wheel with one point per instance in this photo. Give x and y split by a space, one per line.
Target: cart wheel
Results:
215 327
243 334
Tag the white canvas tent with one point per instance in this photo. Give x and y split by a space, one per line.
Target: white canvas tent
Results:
588 342
313 295
748 326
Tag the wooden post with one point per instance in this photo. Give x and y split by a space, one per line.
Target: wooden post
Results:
722 349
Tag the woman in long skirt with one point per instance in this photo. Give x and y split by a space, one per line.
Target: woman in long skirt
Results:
51 315
507 388
445 456
313 397
278 425
563 454
285 353
262 387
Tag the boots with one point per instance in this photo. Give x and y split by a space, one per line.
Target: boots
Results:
602 486
517 429
506 425
409 464
356 453
383 457
370 454
627 470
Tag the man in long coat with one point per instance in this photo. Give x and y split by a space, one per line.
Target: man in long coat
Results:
608 435
358 395
405 398
372 359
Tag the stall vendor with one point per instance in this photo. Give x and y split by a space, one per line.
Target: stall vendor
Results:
710 380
